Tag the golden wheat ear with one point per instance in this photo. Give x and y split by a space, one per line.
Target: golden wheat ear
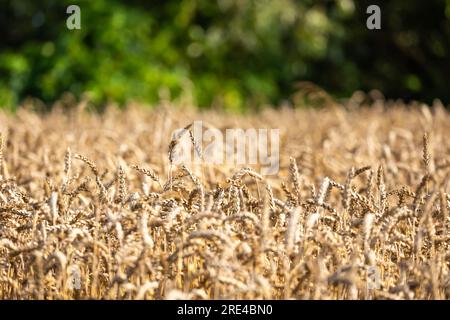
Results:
326 226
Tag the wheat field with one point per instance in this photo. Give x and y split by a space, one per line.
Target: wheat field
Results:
91 207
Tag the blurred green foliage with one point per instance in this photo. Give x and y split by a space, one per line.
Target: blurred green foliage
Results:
226 53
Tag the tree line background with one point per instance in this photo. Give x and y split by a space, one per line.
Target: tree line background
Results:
233 54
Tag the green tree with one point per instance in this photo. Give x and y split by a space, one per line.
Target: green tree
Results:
226 53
